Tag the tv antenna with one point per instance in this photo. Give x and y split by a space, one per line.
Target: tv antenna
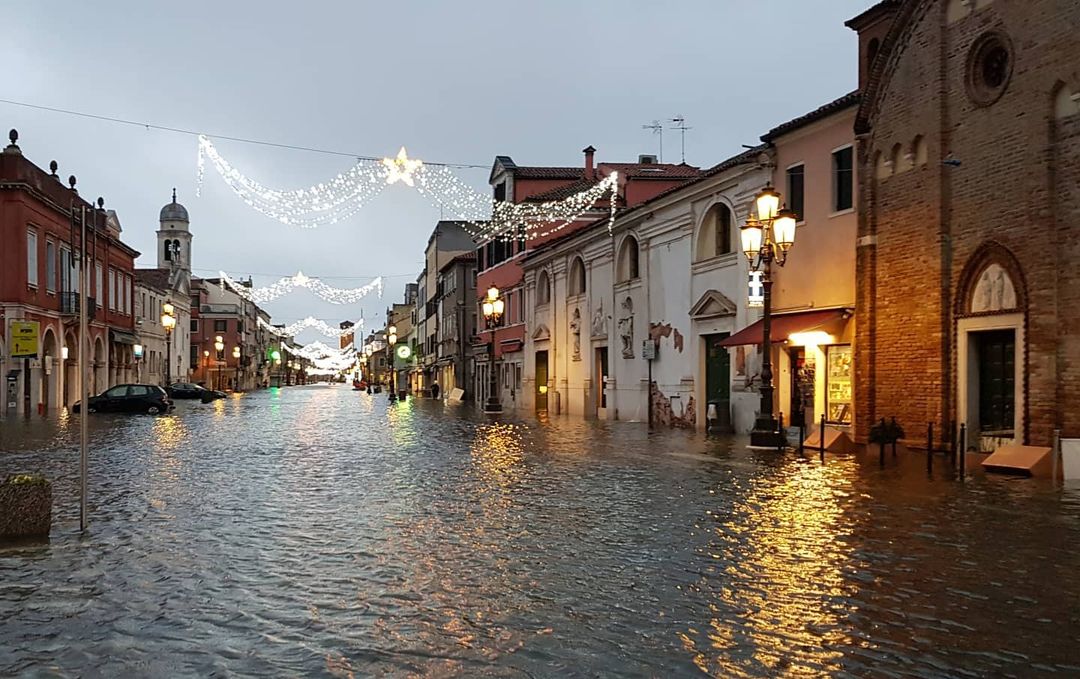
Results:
658 129
681 126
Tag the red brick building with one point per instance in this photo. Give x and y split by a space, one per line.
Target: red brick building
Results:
498 261
39 281
969 229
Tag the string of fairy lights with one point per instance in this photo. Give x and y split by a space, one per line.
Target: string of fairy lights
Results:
287 284
314 323
343 195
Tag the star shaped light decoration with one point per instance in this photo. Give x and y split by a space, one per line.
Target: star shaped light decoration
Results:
300 279
401 168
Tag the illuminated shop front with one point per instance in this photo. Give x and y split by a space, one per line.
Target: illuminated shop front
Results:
814 367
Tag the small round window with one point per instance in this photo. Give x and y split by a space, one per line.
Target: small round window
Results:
988 69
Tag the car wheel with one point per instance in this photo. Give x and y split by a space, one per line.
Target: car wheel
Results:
153 410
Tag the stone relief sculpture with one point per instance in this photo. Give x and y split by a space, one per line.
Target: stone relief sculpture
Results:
597 328
626 328
575 332
994 291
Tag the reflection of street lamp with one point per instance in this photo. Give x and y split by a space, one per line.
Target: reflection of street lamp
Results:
766 238
391 339
493 311
168 321
219 346
236 355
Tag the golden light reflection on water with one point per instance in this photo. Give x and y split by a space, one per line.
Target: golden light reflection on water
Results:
498 451
783 534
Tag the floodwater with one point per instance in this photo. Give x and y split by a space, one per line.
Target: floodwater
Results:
316 531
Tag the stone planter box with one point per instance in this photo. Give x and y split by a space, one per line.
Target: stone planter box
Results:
25 507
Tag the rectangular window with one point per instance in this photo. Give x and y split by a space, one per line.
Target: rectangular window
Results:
50 266
843 179
796 177
838 386
239 326
112 289
65 269
221 325
194 326
99 282
194 354
31 259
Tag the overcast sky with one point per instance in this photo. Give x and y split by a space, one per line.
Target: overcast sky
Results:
455 81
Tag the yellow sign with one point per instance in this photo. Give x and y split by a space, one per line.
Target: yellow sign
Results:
24 339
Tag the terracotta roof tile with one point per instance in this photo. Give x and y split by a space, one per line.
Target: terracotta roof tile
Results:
561 192
535 172
155 278
654 170
849 100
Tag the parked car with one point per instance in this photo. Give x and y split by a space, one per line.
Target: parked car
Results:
185 390
129 398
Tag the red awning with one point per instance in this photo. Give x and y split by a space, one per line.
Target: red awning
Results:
783 325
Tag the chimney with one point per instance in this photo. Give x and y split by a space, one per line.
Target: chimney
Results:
590 171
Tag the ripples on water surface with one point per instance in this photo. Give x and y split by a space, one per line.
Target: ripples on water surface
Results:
320 532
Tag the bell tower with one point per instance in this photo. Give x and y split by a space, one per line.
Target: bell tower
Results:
174 243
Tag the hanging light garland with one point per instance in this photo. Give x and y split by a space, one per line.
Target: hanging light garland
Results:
345 194
309 322
287 284
325 203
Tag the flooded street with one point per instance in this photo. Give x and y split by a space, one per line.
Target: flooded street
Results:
321 532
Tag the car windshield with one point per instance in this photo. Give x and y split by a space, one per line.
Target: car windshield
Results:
116 391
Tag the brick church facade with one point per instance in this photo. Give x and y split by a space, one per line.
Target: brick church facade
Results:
968 256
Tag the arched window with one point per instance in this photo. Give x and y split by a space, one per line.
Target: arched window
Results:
894 159
918 151
577 277
714 236
627 268
881 166
168 250
543 288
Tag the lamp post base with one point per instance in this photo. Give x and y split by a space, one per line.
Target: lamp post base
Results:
492 406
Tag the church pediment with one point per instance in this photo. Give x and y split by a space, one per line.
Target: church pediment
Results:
711 305
541 333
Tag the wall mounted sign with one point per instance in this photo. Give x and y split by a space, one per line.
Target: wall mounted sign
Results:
756 289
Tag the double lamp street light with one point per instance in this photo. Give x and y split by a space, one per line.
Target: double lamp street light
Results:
493 307
766 238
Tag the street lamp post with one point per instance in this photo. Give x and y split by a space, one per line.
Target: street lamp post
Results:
219 347
766 238
206 366
168 321
493 311
391 340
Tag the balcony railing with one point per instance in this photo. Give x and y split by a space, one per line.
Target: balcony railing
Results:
69 305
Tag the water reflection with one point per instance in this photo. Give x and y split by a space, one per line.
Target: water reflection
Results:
320 530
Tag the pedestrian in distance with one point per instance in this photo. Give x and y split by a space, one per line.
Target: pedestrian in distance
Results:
434 390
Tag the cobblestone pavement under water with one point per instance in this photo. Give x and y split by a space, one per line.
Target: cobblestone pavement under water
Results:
321 532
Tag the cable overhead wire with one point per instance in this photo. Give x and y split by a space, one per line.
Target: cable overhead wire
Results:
243 140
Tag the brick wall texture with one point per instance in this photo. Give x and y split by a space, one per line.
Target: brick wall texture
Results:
928 228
